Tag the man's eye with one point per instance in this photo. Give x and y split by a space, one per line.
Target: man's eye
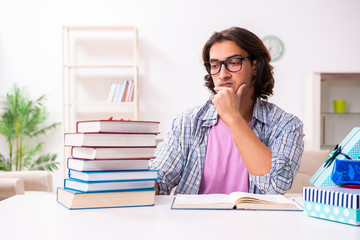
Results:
234 62
214 65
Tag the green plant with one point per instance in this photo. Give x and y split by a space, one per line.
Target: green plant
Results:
22 121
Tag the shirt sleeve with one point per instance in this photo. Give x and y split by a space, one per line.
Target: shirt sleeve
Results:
169 160
286 144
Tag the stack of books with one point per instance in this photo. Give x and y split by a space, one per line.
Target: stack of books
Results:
109 163
337 204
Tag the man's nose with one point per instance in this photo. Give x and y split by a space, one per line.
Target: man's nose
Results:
224 73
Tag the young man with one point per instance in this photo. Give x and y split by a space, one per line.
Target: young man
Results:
237 141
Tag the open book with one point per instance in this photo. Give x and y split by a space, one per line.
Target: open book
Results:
235 200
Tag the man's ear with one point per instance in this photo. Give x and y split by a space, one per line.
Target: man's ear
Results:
254 68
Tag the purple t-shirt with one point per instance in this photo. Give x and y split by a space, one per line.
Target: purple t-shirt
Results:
224 170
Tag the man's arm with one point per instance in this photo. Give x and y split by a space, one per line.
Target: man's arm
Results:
157 188
255 154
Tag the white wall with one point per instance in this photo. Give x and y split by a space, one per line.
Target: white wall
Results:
318 35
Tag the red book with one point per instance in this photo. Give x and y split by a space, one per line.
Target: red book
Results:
112 152
107 164
118 126
110 139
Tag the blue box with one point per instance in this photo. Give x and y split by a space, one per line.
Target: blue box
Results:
333 203
332 213
350 146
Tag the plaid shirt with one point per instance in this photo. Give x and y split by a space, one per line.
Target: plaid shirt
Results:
180 157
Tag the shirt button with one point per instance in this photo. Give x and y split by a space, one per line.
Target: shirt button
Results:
197 183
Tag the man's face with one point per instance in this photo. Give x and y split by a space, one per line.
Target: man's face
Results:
221 51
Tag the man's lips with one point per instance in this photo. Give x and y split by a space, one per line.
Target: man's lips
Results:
226 85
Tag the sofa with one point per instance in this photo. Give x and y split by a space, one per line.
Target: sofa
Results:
25 182
310 163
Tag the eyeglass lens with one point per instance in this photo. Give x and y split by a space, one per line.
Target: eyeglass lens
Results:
231 64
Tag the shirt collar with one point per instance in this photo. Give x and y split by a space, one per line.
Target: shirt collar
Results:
260 110
210 116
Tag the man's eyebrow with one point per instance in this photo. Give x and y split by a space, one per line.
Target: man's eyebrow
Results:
235 55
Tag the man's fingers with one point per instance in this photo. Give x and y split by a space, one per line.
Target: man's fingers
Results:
240 90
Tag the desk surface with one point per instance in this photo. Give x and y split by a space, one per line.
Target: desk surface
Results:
41 217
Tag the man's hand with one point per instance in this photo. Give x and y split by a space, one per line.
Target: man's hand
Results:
227 102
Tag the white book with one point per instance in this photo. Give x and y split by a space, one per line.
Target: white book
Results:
118 92
111 92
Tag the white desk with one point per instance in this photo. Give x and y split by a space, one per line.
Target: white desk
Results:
41 217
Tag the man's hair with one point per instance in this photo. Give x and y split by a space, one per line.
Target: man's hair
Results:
246 40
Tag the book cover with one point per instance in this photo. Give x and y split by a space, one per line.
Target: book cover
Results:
110 139
107 164
112 152
121 126
235 200
96 186
73 199
113 175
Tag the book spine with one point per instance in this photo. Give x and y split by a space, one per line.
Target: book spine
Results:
130 92
123 92
118 92
111 94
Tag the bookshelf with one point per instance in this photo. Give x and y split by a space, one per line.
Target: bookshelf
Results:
323 127
93 58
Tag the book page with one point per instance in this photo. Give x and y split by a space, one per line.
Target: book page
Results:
201 199
240 197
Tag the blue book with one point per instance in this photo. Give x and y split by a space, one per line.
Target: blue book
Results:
73 199
113 175
98 186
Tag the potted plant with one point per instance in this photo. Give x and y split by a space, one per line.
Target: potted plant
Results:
21 121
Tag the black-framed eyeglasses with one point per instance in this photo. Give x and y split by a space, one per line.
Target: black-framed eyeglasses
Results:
233 64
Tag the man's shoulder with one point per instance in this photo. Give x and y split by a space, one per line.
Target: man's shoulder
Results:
270 113
199 112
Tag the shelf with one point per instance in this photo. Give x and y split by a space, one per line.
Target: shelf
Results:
99 66
100 28
340 114
99 103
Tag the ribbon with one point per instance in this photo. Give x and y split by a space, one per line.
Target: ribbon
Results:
333 155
